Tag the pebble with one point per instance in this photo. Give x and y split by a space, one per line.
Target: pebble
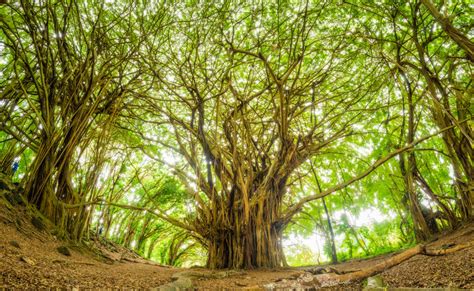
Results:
241 284
375 282
14 243
307 278
64 250
28 261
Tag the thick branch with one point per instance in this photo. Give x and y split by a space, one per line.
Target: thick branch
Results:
132 207
458 37
299 205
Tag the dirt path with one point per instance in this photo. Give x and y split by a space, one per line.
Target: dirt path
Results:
29 258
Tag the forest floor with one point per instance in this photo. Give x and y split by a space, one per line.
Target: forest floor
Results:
31 257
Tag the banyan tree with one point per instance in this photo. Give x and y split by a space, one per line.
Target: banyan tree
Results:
236 99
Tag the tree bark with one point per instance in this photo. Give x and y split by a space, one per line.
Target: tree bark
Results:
459 145
39 185
249 242
259 246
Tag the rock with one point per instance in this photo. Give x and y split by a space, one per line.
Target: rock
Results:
241 284
322 270
270 286
38 223
375 282
447 246
317 270
28 261
14 243
182 283
307 278
189 274
64 250
230 273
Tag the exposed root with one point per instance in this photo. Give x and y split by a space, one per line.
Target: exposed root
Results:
445 251
334 278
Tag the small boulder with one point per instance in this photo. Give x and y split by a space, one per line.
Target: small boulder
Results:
182 283
307 278
447 246
375 282
15 244
64 250
28 261
241 284
317 270
38 223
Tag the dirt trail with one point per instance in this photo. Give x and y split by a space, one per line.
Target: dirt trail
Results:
29 258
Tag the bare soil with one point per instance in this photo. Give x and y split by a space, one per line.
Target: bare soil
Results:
29 258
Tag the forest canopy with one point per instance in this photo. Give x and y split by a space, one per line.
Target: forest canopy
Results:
236 129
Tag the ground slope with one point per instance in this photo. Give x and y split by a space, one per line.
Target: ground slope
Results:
29 257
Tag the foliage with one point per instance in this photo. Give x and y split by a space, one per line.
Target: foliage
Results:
183 128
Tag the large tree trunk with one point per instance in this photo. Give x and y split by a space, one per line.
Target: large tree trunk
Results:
248 241
259 246
39 184
458 140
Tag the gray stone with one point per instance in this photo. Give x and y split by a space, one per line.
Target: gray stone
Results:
180 284
188 274
29 261
375 282
64 250
38 223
